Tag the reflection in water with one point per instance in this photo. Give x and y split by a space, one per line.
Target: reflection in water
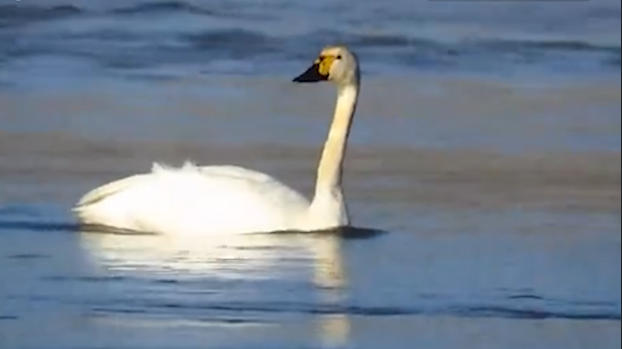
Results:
249 256
328 270
334 330
218 257
330 277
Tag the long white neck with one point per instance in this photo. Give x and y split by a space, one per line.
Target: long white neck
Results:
328 200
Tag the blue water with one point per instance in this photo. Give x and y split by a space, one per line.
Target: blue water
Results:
173 38
483 175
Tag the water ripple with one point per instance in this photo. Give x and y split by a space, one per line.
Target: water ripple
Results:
113 42
39 226
8 317
18 15
475 311
27 256
161 7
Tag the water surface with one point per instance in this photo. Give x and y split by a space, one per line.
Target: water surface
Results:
483 174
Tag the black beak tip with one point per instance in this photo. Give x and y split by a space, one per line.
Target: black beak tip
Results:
311 75
305 79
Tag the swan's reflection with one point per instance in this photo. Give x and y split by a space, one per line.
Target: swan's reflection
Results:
221 257
249 256
329 276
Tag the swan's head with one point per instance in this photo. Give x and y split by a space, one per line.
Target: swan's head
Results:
334 63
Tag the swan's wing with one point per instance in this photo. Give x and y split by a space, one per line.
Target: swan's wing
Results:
118 186
192 198
105 191
232 171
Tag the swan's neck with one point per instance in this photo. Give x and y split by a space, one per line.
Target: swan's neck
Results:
329 196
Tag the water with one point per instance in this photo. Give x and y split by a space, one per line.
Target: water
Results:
483 174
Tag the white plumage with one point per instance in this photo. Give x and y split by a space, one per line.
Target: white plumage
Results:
195 200
230 199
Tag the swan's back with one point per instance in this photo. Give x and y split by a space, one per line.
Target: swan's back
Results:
195 200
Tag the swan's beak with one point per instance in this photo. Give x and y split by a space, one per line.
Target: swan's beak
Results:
312 74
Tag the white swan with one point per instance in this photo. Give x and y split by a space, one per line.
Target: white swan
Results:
231 199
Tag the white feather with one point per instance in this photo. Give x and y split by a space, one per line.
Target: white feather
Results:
195 200
230 199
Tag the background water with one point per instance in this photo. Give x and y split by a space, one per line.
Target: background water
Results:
486 148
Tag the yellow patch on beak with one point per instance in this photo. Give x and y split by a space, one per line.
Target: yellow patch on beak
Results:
324 64
319 71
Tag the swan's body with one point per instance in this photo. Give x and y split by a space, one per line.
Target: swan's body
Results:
231 199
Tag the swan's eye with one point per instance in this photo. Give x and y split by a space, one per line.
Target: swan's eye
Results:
338 57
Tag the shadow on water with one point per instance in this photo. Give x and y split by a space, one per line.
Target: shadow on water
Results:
346 232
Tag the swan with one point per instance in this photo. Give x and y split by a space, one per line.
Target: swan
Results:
226 199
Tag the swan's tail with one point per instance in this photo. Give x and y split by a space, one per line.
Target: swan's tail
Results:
100 205
106 191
